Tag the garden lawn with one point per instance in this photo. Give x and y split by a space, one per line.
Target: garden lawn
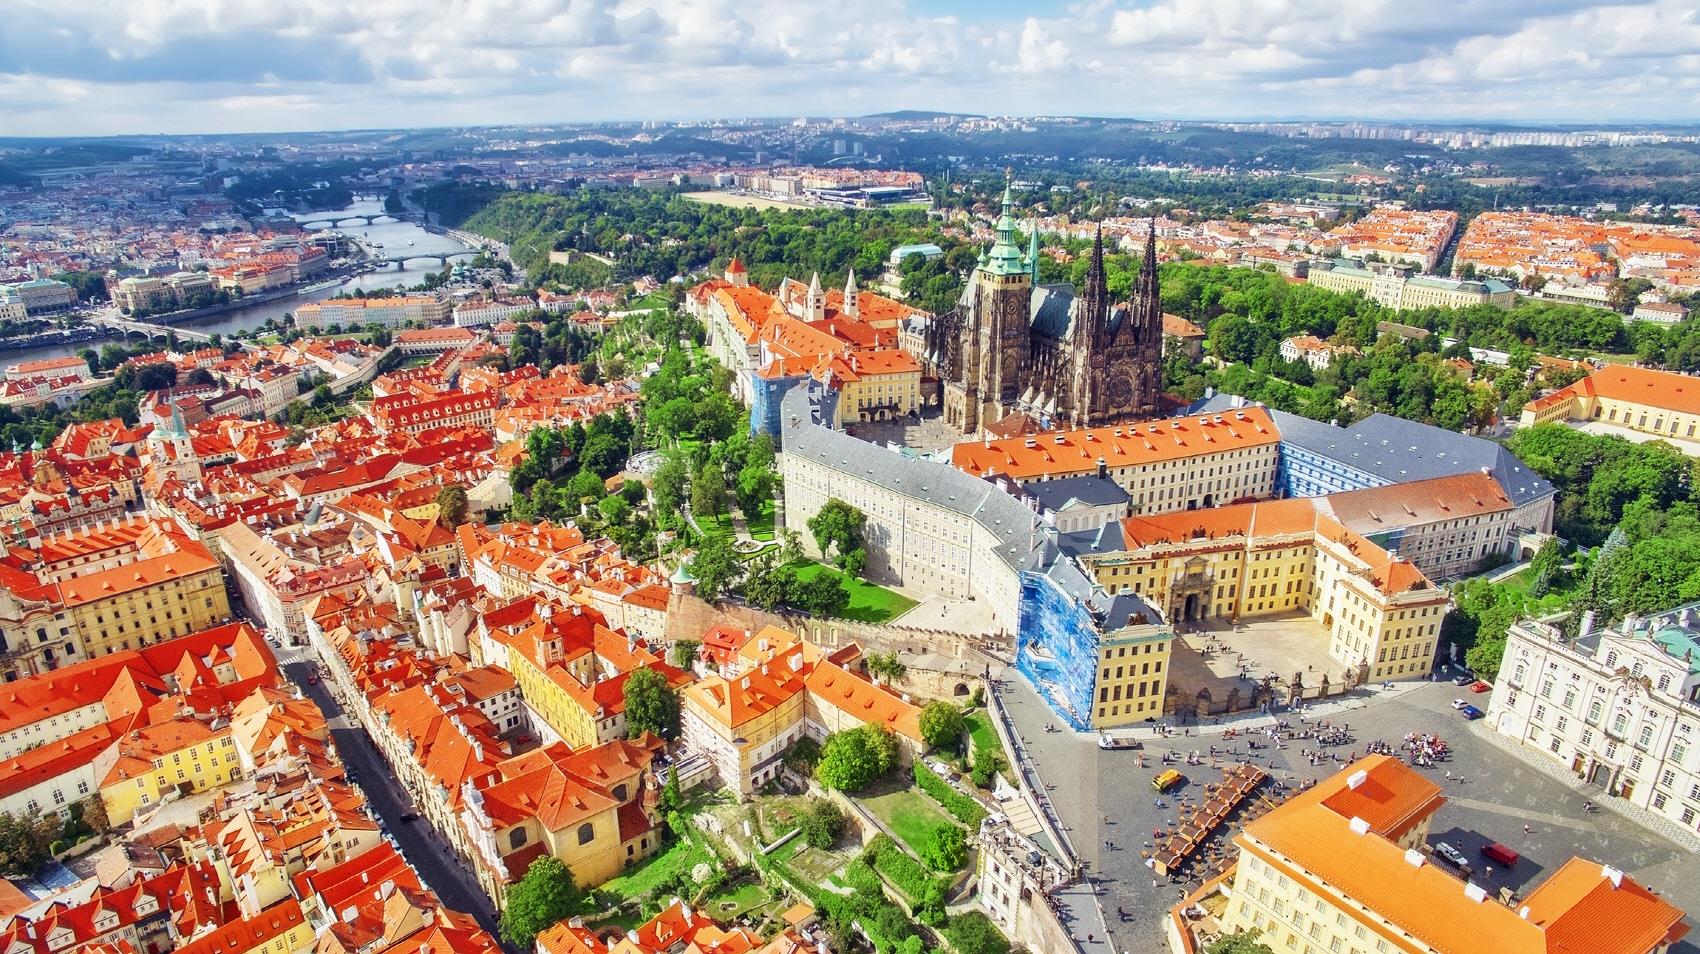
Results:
909 813
682 856
981 734
725 905
761 525
868 603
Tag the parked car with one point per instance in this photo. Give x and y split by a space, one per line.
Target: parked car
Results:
1167 779
1459 703
1500 854
1471 712
1480 686
1449 854
409 816
1463 680
312 678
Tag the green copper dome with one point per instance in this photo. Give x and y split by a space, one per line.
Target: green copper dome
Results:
1005 257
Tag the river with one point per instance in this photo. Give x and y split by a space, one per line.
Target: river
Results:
397 238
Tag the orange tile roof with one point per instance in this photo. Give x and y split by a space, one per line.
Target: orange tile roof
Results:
1661 389
1311 838
1060 453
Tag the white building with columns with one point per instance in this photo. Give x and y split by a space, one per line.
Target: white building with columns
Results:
1616 707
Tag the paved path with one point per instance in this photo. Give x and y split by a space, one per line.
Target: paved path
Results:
436 863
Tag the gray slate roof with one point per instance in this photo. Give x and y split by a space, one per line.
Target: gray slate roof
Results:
1398 451
1089 489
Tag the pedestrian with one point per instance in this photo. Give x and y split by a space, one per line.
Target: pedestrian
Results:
1527 830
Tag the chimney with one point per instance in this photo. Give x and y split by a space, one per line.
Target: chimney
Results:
1103 468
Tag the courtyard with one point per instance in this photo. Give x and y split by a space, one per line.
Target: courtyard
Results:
1221 658
1106 806
926 434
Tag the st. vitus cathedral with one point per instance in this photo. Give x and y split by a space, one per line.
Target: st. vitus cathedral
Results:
1014 346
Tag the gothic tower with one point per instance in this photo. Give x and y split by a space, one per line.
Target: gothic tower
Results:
1002 290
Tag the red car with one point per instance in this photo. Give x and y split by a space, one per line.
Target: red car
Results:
1500 853
1480 686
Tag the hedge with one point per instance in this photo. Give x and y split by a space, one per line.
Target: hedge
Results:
905 873
967 810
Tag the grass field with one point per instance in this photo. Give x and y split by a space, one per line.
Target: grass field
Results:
868 603
742 201
683 856
981 734
909 813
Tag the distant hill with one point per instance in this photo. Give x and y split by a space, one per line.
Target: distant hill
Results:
908 114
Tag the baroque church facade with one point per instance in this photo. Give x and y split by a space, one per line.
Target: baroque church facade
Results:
1013 346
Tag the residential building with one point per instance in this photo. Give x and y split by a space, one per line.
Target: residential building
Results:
1343 866
595 809
1399 287
1641 400
1394 234
1613 706
785 688
184 755
1311 350
40 296
1659 312
1183 463
1188 336
676 929
315 317
71 367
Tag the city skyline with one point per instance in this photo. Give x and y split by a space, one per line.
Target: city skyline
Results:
197 67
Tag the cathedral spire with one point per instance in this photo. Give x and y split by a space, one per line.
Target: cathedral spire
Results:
1005 256
1095 297
1147 306
851 305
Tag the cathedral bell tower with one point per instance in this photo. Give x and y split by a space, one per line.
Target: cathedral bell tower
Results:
1003 289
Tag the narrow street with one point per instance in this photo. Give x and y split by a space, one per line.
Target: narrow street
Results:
436 863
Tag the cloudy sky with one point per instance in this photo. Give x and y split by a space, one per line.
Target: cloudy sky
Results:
105 66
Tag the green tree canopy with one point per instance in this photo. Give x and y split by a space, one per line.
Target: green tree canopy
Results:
543 896
942 724
852 759
651 705
451 506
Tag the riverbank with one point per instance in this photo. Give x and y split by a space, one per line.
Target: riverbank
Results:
325 280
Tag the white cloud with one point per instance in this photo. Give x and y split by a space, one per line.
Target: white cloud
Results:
390 62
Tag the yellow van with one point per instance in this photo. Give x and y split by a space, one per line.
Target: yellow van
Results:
1167 779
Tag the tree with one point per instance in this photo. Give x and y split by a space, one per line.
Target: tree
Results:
615 509
942 724
24 841
451 506
94 815
708 494
770 581
974 933
852 759
822 823
886 666
822 594
716 567
839 526
651 705
1239 942
672 798
684 653
946 849
544 896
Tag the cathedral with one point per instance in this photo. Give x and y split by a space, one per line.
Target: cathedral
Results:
1014 349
